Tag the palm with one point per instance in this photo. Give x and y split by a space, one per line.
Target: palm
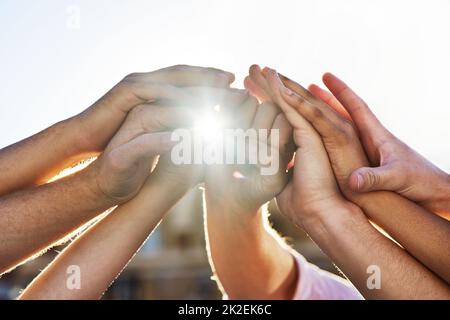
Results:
244 184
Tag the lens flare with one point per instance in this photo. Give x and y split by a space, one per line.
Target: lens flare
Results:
209 125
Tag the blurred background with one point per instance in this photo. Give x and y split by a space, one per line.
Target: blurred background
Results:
58 57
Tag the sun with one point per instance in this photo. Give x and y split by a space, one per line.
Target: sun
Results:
210 124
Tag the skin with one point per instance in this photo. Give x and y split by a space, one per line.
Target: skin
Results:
241 263
396 166
86 134
104 250
312 200
34 218
387 209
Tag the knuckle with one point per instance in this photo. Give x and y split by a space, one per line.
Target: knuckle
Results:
301 105
131 77
127 83
372 178
316 113
345 133
178 67
124 88
115 162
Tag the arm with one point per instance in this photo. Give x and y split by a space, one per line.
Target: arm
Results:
239 244
106 247
104 250
312 200
33 219
420 232
354 246
248 258
241 262
87 134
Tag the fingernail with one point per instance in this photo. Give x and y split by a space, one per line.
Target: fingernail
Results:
359 181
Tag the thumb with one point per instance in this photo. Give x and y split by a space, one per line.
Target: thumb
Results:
370 179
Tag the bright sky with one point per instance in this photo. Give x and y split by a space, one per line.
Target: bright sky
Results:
395 54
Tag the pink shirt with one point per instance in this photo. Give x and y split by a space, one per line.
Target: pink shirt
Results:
317 284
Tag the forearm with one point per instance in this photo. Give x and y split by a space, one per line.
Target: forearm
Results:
36 159
353 244
424 235
103 250
35 218
249 259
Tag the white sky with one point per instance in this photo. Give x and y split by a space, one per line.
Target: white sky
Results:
395 54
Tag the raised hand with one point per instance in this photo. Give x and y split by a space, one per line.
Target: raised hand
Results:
102 119
387 209
395 166
243 185
87 134
313 201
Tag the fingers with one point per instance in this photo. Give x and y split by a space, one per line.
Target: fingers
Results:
148 118
129 93
142 148
371 179
256 90
184 75
365 121
210 97
245 113
318 114
153 118
284 143
258 83
164 84
265 116
294 86
330 100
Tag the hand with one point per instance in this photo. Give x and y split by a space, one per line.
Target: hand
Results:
185 176
312 190
155 117
242 187
130 155
338 135
397 167
334 234
100 122
346 155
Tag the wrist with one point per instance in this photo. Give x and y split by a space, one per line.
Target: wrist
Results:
333 220
87 179
94 127
229 212
229 205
